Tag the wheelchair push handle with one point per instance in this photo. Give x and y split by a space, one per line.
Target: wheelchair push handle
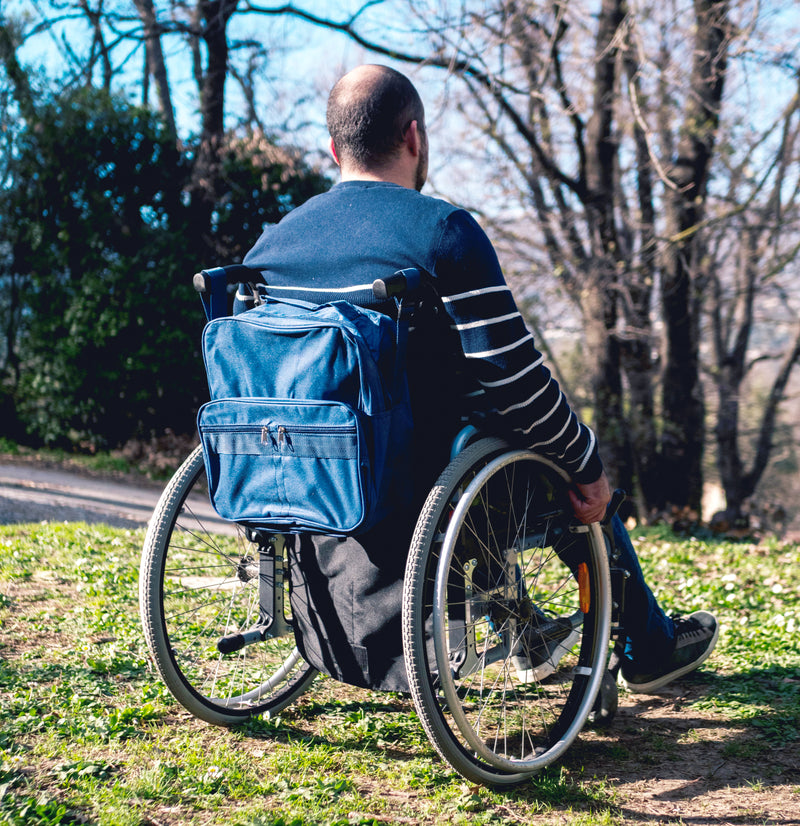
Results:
232 274
401 284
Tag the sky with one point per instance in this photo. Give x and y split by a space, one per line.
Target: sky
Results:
302 63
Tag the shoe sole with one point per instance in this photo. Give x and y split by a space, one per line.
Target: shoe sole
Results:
545 669
654 685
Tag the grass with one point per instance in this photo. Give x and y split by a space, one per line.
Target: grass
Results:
755 593
89 735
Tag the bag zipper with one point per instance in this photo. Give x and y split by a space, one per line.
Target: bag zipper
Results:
283 434
288 431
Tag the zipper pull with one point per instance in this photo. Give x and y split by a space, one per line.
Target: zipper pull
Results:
283 437
265 437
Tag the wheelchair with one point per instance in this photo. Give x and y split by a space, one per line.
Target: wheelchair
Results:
507 612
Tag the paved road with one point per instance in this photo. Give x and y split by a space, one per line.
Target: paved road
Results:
31 494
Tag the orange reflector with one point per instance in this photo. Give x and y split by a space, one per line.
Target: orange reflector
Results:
584 595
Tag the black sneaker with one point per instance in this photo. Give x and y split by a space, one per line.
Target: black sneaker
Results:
544 642
695 638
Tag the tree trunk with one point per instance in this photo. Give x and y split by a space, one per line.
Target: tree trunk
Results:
599 303
683 405
604 353
636 345
767 429
156 66
215 16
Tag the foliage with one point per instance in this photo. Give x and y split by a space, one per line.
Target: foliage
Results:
104 235
261 182
94 231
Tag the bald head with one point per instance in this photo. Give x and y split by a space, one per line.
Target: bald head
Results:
369 112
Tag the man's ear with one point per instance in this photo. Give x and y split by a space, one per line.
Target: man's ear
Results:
413 138
333 152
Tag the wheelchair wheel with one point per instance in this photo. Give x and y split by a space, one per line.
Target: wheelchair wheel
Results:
506 615
211 599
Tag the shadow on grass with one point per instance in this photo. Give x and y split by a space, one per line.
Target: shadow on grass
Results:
774 691
388 729
707 734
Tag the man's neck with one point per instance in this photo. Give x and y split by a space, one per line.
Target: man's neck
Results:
387 176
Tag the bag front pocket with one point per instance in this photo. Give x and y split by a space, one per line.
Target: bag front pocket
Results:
285 464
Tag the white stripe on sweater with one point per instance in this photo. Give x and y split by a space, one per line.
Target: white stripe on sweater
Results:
545 418
520 405
588 454
448 299
470 325
549 441
486 353
520 374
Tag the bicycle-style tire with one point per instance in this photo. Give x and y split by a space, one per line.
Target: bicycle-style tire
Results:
494 561
199 584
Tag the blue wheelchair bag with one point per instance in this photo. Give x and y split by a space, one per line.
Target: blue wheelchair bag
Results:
309 423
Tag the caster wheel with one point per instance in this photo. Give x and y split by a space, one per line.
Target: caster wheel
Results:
605 706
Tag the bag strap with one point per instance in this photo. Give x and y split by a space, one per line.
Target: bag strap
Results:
404 315
405 287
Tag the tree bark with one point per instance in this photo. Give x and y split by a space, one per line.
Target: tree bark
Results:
215 15
683 405
599 301
156 65
636 345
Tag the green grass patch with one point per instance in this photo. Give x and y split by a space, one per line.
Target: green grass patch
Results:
755 592
89 734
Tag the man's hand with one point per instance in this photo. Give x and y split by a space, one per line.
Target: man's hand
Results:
589 501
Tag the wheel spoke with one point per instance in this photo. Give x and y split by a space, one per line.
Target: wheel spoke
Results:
489 579
199 586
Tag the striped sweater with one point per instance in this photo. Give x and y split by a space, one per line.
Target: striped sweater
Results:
336 244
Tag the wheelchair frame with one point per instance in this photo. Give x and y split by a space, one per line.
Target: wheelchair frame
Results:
506 617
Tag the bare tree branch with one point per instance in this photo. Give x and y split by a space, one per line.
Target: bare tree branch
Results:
452 64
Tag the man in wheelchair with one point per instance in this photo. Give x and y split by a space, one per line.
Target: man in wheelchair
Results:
469 351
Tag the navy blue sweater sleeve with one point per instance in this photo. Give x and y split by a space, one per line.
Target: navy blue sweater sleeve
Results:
501 354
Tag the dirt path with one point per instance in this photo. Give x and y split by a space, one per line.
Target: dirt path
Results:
671 764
